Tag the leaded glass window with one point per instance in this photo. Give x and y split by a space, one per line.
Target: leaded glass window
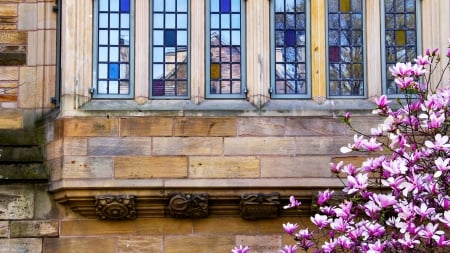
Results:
400 32
290 47
225 49
113 49
346 57
169 49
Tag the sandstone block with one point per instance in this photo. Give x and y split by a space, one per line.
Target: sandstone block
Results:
87 167
8 9
36 228
96 227
259 146
205 127
9 73
134 244
150 167
4 229
126 146
78 127
28 16
314 126
320 145
260 243
305 166
148 126
13 37
82 244
163 226
223 167
187 146
16 202
29 245
75 146
10 119
198 244
261 126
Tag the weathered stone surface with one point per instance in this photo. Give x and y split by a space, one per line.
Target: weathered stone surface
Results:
314 126
261 126
75 146
22 171
13 37
4 229
36 228
259 146
8 9
82 244
223 167
119 146
187 146
29 89
29 245
260 243
96 227
205 127
10 119
198 243
134 244
78 127
148 126
304 166
12 55
28 16
9 73
21 154
16 202
151 167
320 145
87 167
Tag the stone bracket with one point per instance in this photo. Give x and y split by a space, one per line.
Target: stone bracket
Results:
185 205
259 205
115 207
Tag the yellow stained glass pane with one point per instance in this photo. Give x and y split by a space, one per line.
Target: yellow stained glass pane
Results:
215 71
400 37
345 6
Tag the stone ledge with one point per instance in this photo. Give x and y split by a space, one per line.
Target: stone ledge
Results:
151 197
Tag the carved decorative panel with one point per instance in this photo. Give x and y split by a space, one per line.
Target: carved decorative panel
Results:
184 205
259 205
115 207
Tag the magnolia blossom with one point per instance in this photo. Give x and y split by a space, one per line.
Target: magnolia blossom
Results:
324 196
321 221
293 203
290 228
288 249
240 249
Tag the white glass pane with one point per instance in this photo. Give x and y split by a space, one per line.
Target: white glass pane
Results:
114 37
103 5
181 38
113 87
158 21
225 37
102 71
114 5
158 54
114 20
182 5
215 21
235 5
114 54
125 20
235 21
102 54
158 38
158 71
225 18
182 21
102 87
103 20
170 20
103 37
235 37
279 5
170 5
215 5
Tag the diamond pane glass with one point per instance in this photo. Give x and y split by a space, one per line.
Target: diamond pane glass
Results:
345 42
225 47
290 46
169 50
113 47
400 42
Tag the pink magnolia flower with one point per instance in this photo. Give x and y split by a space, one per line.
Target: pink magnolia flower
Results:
357 183
441 143
321 221
372 145
303 234
401 69
336 168
339 225
446 219
288 249
290 228
423 60
293 203
407 241
324 196
430 231
376 247
240 249
441 241
384 200
441 166
329 246
405 82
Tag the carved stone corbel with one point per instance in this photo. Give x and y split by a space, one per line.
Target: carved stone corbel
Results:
259 205
115 207
185 205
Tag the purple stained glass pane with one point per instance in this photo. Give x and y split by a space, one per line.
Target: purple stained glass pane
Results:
158 88
289 38
225 6
125 5
113 73
170 38
334 54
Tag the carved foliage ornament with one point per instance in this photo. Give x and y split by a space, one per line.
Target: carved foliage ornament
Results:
260 206
115 207
184 205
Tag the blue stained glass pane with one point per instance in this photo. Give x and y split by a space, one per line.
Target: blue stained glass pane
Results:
113 73
225 6
170 38
289 38
125 5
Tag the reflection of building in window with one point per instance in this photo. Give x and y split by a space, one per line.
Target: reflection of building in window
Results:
172 72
